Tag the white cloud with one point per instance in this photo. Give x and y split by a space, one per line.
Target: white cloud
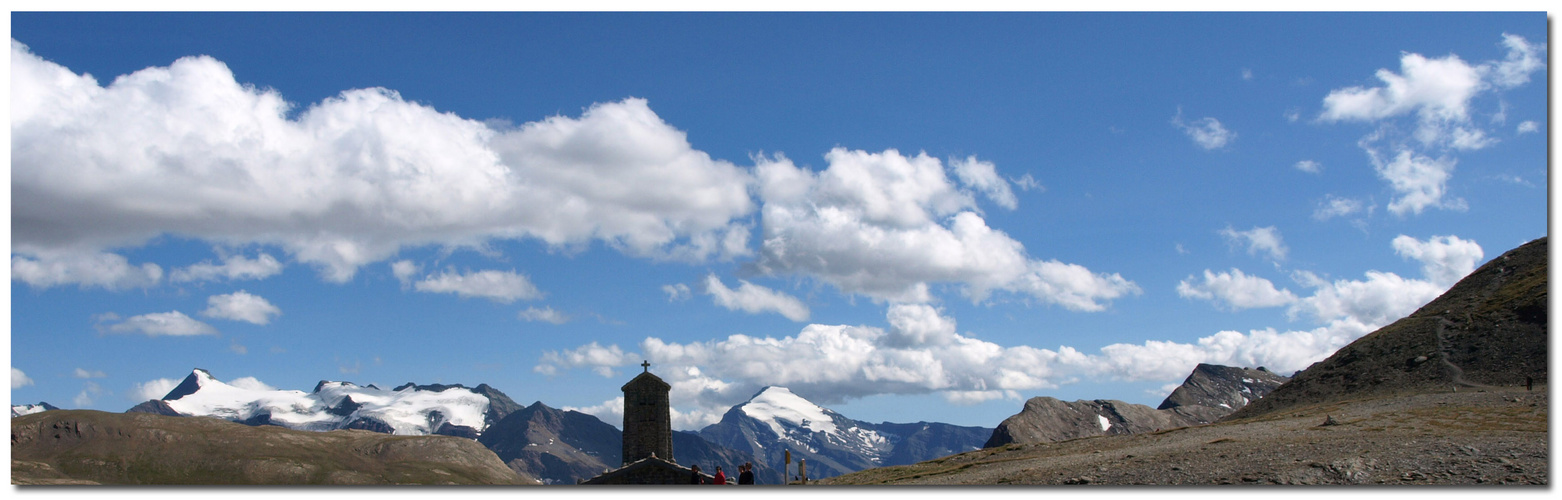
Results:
350 180
172 323
1420 182
1207 132
89 392
498 286
250 384
612 412
19 379
1438 92
234 267
1444 259
922 351
1522 59
1333 206
83 268
545 314
1309 166
1384 296
241 306
677 292
1028 183
601 359
1236 290
887 226
82 373
1258 239
983 176
1528 127
1247 74
754 299
153 389
404 270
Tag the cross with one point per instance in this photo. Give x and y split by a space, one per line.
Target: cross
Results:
646 365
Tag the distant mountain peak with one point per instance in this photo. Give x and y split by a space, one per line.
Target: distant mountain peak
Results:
776 405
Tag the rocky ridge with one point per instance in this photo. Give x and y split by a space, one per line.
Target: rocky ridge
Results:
1209 393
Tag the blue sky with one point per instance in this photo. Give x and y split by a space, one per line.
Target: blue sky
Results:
900 216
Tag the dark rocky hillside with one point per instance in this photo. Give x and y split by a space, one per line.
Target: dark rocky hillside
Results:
1209 393
555 446
93 447
1489 329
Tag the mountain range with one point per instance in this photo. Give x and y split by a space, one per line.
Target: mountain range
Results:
562 447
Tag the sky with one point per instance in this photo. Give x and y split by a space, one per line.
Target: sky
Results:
900 216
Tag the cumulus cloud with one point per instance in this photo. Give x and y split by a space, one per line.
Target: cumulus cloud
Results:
1259 239
887 226
1444 259
233 267
172 323
19 379
404 270
544 314
1235 289
1383 296
1207 132
152 389
983 176
1419 182
83 373
922 351
186 149
1528 127
601 359
1333 206
1436 93
1309 166
48 268
251 384
754 299
241 306
498 286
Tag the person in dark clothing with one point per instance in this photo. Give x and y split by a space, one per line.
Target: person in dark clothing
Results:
746 473
696 476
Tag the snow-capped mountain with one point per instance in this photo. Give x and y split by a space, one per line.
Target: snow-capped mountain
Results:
776 420
406 410
19 410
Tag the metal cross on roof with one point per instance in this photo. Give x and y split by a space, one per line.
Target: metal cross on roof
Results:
646 365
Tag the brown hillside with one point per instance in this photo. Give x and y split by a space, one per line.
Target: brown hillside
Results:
93 447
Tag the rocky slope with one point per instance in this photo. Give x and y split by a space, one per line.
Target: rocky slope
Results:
1489 329
93 447
776 421
1499 436
1209 393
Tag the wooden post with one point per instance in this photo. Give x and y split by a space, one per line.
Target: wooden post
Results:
802 469
786 470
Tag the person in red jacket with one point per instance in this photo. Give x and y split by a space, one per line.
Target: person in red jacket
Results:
721 477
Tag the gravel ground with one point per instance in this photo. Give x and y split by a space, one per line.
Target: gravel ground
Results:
1492 436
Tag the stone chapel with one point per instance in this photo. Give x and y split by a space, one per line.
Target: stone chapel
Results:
648 436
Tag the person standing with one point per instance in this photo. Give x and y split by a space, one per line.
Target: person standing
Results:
746 473
721 477
696 477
